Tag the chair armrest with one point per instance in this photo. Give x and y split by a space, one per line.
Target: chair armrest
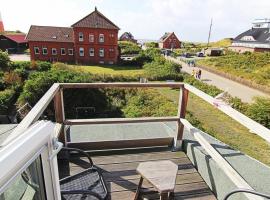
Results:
81 152
85 192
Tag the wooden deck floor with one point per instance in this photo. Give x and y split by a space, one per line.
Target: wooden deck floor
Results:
119 171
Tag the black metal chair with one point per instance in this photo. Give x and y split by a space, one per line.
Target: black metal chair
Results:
86 185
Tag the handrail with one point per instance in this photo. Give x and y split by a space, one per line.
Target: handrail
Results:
253 126
120 85
34 113
118 120
219 160
246 191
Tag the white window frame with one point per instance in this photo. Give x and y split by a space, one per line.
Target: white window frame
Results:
64 51
44 48
54 49
20 152
91 52
102 55
80 36
36 50
81 52
69 52
100 38
91 38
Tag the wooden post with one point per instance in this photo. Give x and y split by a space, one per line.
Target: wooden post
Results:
60 112
182 107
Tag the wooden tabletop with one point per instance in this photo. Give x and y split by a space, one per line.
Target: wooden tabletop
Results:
161 174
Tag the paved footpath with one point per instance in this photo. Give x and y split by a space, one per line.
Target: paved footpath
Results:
233 88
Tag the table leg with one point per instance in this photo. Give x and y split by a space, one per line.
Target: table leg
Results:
138 189
164 196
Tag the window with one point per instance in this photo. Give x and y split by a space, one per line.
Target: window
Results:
111 52
63 51
80 37
101 52
111 35
91 52
70 52
44 51
27 185
101 37
36 50
54 51
91 38
81 52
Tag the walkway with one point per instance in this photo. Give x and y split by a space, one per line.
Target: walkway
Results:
233 88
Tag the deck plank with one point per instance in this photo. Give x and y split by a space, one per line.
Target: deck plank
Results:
121 177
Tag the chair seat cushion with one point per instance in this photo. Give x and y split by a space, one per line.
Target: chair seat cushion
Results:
88 180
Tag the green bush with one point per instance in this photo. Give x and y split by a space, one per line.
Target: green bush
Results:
7 98
129 47
43 66
147 56
4 60
151 45
21 65
260 111
208 89
161 69
149 103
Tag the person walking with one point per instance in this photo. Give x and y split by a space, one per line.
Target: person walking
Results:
199 74
193 73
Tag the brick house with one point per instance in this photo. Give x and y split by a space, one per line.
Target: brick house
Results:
169 41
127 36
92 40
256 39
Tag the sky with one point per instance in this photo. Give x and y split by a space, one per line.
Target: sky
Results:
145 19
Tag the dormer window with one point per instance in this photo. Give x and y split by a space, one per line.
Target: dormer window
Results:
247 38
101 38
80 37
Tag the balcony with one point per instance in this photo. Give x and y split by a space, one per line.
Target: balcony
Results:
117 146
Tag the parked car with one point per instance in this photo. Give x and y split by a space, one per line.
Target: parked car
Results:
200 54
186 55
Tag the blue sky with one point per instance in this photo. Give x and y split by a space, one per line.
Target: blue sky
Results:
146 19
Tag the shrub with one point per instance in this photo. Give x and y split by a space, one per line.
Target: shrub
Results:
147 56
161 69
129 47
12 78
151 45
43 66
209 89
147 103
260 111
6 100
21 65
4 60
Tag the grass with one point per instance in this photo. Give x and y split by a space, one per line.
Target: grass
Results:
224 128
112 70
254 67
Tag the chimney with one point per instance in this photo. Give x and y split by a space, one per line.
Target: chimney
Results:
1 25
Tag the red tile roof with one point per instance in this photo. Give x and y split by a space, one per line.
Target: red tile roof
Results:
96 20
50 34
19 38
